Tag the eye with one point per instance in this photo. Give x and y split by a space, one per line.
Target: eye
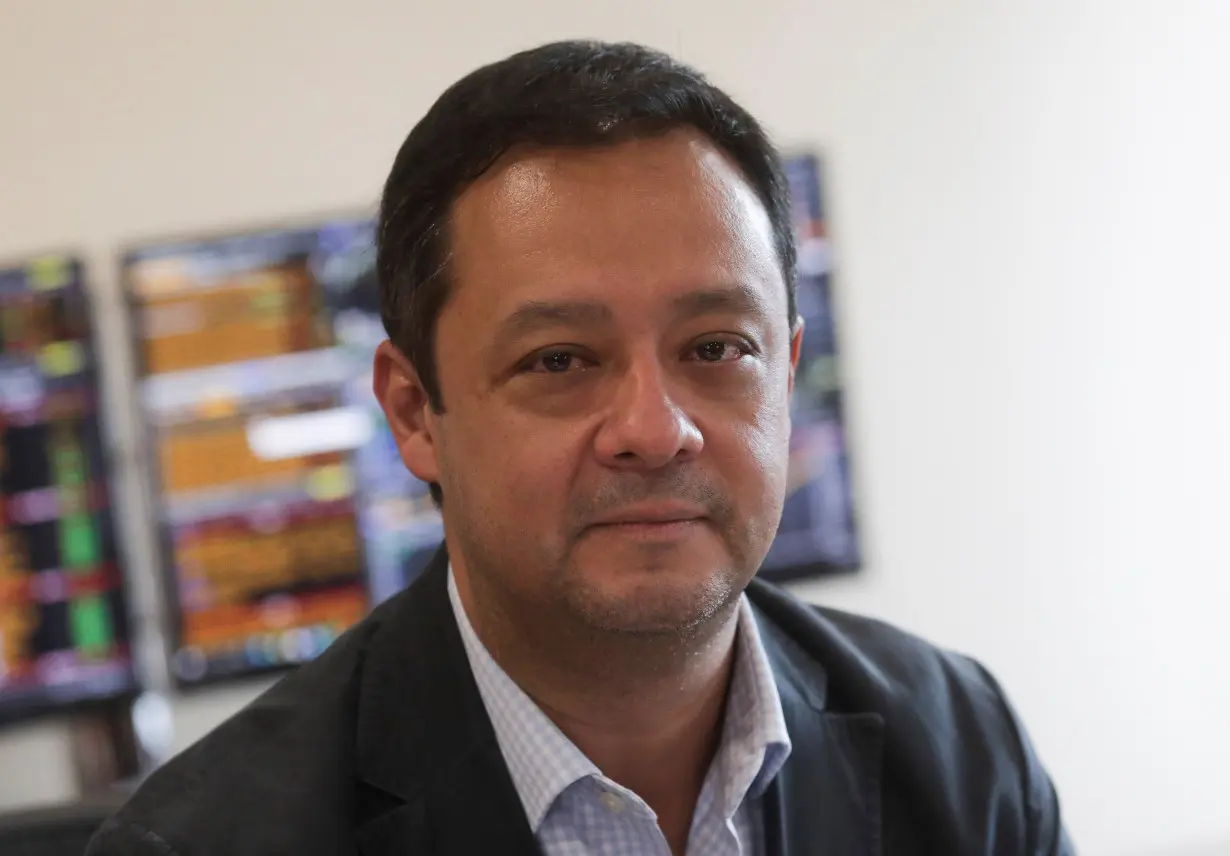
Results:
555 362
718 351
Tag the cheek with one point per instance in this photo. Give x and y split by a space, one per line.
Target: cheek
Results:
512 470
765 451
758 447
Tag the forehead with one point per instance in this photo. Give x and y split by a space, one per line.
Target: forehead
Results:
632 224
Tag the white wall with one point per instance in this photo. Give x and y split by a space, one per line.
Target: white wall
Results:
1030 206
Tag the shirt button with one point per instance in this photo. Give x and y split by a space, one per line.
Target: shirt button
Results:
613 802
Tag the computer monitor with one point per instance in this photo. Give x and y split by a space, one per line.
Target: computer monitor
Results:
243 391
63 616
818 535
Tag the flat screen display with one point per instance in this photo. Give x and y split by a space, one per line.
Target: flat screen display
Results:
63 615
285 507
244 394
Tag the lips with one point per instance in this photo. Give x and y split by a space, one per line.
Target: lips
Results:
674 531
651 522
648 518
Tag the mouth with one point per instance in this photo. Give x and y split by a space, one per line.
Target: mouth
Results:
652 524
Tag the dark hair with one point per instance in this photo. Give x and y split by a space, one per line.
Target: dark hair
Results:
573 93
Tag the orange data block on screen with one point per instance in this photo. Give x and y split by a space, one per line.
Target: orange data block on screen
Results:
260 315
17 621
213 454
234 563
226 625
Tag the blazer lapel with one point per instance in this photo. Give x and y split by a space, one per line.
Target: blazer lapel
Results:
471 812
432 777
825 801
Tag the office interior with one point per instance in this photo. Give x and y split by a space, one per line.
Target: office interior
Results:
1013 219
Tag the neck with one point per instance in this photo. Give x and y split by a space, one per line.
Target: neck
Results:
646 710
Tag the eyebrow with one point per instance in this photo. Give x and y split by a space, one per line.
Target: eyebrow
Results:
537 315
739 299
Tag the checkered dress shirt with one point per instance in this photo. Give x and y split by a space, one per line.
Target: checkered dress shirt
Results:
576 811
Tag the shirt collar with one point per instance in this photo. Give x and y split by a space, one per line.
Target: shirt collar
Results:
543 762
755 743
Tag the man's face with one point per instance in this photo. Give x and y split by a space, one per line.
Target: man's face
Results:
615 363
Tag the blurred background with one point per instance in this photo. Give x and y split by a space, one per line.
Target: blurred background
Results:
1016 438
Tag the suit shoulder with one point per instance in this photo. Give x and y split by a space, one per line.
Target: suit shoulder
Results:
871 665
953 743
282 762
901 661
952 739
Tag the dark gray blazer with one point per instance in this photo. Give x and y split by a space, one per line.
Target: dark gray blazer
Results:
382 747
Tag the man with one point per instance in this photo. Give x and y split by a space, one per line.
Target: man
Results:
587 275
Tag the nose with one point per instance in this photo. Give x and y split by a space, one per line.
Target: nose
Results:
645 427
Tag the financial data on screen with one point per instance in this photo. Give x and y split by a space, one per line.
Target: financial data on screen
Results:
251 445
63 617
285 509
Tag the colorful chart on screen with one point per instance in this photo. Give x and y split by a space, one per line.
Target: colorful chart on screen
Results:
252 440
286 508
63 617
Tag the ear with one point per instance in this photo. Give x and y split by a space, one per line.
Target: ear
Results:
407 410
796 348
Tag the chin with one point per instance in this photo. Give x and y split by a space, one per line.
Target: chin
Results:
653 594
667 616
